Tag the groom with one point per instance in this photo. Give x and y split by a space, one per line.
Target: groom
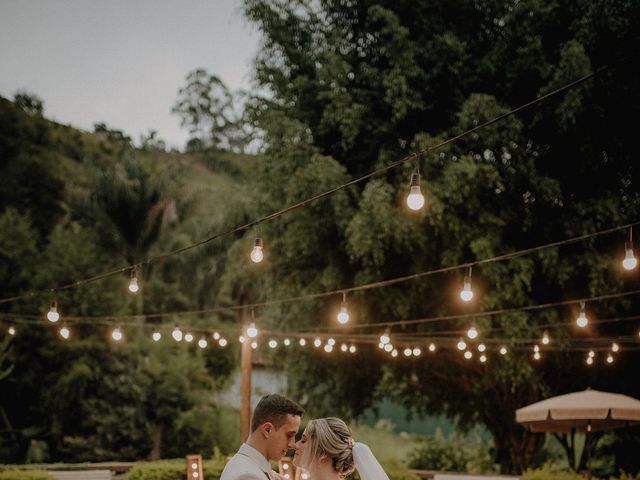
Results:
274 426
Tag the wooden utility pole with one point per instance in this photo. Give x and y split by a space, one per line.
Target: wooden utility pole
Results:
245 365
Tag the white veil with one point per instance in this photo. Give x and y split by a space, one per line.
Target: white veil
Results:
367 464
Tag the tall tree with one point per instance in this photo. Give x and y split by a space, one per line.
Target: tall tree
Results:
206 107
363 83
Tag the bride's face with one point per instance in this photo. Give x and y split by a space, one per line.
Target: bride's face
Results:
299 449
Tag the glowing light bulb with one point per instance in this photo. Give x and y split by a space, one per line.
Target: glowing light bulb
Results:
133 283
156 336
461 344
241 338
53 315
536 348
252 331
629 262
582 320
344 347
482 347
589 360
472 333
385 337
254 345
343 314
415 199
468 355
64 332
394 353
615 347
11 330
317 342
503 350
273 343
381 346
545 338
302 342
257 255
592 353
188 338
116 334
202 343
216 336
177 334
536 356
286 342
223 342
417 352
352 349
609 358
466 294
407 352
388 347
432 347
331 342
328 348
483 358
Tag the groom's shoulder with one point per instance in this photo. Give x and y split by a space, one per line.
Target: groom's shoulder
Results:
239 467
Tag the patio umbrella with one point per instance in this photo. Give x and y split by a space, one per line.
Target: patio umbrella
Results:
587 411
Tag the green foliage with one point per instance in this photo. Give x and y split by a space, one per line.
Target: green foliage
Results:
626 476
165 470
174 469
362 84
87 399
29 103
18 241
397 471
548 473
16 474
455 453
206 107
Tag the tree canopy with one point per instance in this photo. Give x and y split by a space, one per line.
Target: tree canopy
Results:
360 84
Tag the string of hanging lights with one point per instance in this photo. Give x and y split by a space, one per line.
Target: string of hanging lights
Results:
54 313
415 200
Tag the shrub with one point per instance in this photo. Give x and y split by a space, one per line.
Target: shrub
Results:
626 476
174 469
456 453
398 471
15 474
547 472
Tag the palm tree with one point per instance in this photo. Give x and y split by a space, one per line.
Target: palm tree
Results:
136 206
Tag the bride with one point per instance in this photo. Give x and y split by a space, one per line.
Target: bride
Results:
327 452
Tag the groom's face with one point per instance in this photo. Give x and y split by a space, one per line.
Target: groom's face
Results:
283 438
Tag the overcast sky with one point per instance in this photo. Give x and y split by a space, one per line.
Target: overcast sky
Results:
121 61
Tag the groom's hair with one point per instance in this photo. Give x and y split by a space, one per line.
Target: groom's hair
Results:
274 408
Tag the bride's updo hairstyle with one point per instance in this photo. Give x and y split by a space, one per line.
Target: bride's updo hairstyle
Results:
331 437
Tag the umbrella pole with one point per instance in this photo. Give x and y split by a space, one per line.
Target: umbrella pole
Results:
588 440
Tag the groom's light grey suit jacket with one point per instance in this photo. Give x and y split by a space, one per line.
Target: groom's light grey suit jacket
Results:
247 464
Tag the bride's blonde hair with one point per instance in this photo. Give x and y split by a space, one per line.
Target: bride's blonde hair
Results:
331 437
